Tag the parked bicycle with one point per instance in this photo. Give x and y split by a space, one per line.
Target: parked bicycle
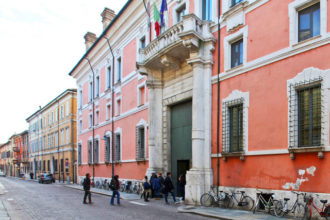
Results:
244 202
323 212
267 204
211 198
281 207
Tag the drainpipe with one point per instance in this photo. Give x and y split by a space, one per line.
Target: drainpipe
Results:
72 138
112 109
218 103
92 118
58 141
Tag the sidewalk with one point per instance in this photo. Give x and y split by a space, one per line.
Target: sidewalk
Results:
228 214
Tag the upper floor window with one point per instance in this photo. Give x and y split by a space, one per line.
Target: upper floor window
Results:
79 154
97 86
117 147
80 126
143 42
309 116
107 149
118 76
181 11
207 10
108 112
80 98
90 91
237 53
235 2
118 107
141 95
90 121
90 145
309 22
96 151
108 77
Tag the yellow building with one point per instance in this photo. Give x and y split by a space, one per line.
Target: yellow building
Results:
55 148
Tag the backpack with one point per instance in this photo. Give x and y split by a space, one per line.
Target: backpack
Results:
146 185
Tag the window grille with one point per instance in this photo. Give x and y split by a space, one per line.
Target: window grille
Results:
96 151
232 126
140 143
89 152
305 110
117 147
107 150
79 153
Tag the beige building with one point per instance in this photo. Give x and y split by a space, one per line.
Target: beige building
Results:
54 148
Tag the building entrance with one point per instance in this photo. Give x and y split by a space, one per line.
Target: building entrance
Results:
181 152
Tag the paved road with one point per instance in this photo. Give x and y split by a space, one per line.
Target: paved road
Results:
30 200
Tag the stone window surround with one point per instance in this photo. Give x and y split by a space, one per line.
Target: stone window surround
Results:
245 100
226 5
179 6
143 123
144 84
298 5
90 122
119 131
309 75
240 34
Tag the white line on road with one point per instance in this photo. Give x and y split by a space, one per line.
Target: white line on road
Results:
10 199
137 203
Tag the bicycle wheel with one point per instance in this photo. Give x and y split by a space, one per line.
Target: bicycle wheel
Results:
299 211
224 201
256 207
272 207
278 208
247 203
206 200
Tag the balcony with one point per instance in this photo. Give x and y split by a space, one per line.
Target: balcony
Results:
15 149
175 45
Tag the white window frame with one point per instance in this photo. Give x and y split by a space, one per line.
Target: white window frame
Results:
117 110
240 34
294 8
80 98
97 86
199 10
108 111
309 75
117 69
244 98
108 76
142 85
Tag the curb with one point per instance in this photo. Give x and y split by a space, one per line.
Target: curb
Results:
192 209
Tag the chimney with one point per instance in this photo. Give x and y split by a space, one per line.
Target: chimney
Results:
107 16
90 38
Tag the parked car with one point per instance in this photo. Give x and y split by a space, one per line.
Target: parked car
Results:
46 178
2 173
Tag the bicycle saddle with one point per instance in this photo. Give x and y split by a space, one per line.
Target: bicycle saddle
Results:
324 201
286 199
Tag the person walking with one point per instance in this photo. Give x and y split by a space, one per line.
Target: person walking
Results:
114 186
156 187
169 188
146 189
161 182
87 188
181 186
153 175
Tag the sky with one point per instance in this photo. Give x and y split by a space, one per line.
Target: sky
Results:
40 42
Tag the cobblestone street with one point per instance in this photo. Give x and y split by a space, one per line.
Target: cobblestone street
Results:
31 200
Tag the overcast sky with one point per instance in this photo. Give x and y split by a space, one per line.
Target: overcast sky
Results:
40 42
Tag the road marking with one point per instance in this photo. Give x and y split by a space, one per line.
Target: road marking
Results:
10 199
137 203
2 186
5 191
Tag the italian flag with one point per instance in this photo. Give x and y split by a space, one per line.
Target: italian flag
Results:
156 19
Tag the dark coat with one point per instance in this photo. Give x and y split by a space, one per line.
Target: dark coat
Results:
87 184
114 184
168 184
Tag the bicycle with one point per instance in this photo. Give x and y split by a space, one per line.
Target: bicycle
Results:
281 207
210 198
323 212
244 202
269 205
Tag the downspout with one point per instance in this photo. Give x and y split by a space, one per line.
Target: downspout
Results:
218 103
58 140
112 108
92 118
72 137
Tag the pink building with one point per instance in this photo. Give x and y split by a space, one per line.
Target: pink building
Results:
152 102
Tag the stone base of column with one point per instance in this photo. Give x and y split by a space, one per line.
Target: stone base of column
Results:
154 170
198 182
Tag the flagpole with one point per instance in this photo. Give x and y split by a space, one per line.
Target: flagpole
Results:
149 20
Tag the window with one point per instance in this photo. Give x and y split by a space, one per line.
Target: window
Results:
309 22
180 12
206 9
235 2
108 86
56 114
90 89
79 154
141 95
44 166
118 107
96 151
66 165
237 53
118 76
62 112
97 117
62 165
117 147
90 151
108 112
107 149
97 87
80 98
80 126
309 116
67 135
62 136
140 143
236 128
55 166
48 165
90 120
143 42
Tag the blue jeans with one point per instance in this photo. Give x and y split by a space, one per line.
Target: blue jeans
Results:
115 192
166 194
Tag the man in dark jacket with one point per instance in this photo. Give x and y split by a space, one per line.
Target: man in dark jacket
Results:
169 188
114 186
87 188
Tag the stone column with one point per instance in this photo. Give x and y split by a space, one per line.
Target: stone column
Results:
155 126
